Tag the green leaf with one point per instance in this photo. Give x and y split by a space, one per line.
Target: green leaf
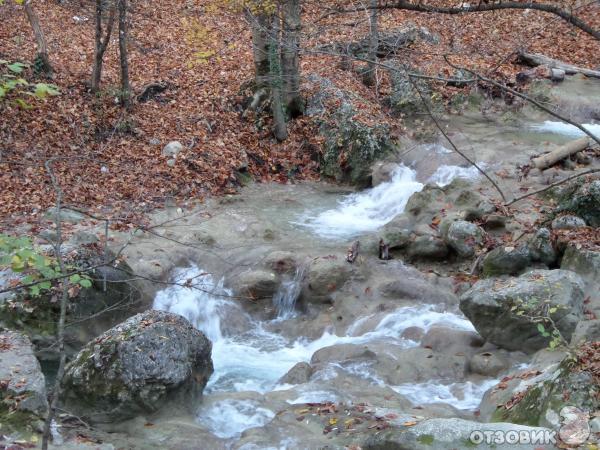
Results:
16 67
85 283
42 90
75 278
541 328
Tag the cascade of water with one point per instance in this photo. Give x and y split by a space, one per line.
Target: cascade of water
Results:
286 296
550 126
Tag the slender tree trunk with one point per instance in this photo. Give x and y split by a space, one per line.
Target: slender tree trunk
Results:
125 87
279 125
370 76
42 48
290 65
101 44
261 26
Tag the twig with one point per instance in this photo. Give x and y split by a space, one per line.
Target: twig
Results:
587 172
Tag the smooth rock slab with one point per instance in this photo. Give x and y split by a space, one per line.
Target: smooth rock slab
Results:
152 359
489 306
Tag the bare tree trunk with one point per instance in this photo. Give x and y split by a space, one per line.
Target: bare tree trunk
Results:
290 65
125 87
42 48
279 125
260 48
370 76
101 44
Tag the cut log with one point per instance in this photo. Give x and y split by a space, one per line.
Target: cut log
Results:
564 151
537 59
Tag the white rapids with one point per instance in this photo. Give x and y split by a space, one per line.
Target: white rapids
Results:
371 209
255 360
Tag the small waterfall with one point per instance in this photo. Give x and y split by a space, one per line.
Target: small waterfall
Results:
444 175
201 303
368 210
285 298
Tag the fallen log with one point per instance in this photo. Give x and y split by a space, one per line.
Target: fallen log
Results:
564 151
537 59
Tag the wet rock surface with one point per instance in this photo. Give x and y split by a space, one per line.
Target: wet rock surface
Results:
138 367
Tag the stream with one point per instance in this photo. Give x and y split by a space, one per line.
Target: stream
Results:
252 352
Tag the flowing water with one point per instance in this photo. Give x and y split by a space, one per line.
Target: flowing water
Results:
253 361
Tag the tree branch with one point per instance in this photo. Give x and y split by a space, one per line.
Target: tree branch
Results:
483 7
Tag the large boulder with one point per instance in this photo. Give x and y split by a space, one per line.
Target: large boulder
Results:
23 402
582 200
150 360
427 247
464 237
502 311
451 434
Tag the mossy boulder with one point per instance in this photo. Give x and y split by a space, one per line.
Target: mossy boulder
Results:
503 310
151 360
507 260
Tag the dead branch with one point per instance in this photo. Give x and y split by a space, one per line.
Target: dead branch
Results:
537 59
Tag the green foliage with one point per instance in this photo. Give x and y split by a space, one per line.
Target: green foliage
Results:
543 315
14 88
20 256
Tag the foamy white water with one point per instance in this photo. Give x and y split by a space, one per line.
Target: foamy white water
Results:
367 210
255 360
460 395
566 129
444 175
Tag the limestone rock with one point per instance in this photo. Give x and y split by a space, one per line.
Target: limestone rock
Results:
150 360
464 237
493 307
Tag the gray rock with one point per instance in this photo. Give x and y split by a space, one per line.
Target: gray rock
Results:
382 172
84 238
567 222
298 374
413 334
342 352
172 149
427 247
23 385
540 247
151 360
256 284
451 340
488 364
448 434
171 162
66 215
505 261
586 331
464 237
584 202
325 276
595 425
493 306
416 288
415 365
282 262
586 263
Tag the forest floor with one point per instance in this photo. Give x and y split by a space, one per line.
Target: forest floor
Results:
109 161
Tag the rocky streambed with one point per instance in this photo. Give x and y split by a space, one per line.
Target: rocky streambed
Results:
255 331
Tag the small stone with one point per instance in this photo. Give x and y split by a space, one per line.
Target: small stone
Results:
595 425
171 163
172 148
494 221
464 237
154 141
